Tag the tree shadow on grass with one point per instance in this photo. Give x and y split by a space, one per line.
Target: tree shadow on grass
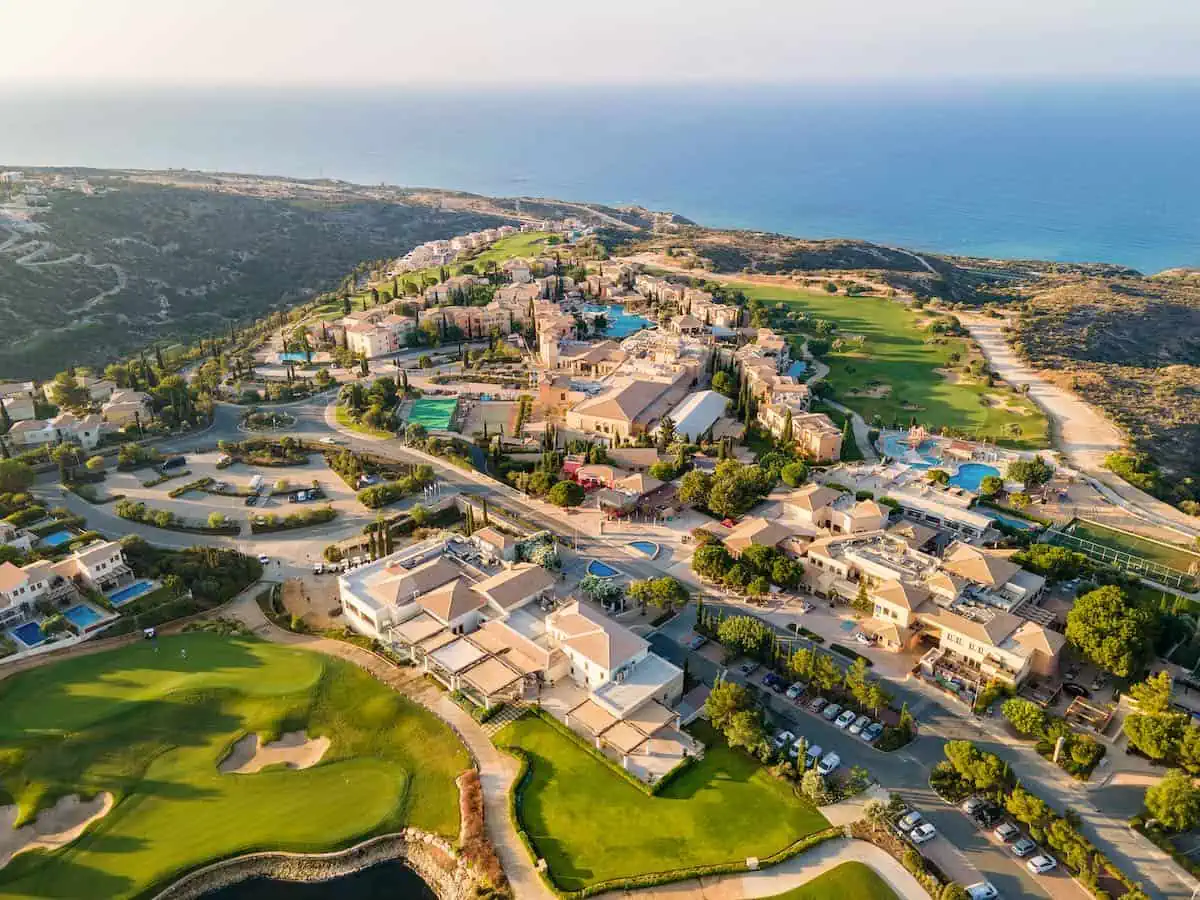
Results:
42 874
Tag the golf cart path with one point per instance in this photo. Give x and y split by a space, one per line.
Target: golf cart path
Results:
862 433
1083 434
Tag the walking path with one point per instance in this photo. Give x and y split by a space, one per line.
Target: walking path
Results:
1084 435
862 434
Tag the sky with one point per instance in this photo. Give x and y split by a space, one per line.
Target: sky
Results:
200 43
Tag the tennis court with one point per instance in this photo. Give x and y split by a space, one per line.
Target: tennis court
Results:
435 415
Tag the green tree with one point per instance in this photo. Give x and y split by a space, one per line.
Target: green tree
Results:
745 729
1189 750
1026 807
15 476
952 890
1154 694
825 672
862 600
1030 472
95 464
1158 735
1175 801
744 634
856 679
695 487
794 474
726 699
711 561
758 587
983 770
801 662
723 383
1025 716
216 520
1111 631
990 486
566 493
1054 562
815 788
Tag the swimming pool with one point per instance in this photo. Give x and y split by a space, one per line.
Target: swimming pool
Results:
648 547
29 634
82 616
127 593
798 368
433 414
620 323
600 570
970 475
896 446
57 539
292 356
1019 524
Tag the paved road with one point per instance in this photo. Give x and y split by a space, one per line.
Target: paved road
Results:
906 771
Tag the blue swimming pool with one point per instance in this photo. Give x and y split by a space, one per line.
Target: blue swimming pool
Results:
600 570
923 455
620 323
57 539
82 616
970 475
648 547
292 356
29 634
1019 524
127 593
798 368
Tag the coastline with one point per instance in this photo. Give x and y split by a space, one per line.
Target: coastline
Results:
433 860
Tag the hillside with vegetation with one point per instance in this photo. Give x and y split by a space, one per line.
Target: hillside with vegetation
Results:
1131 346
89 278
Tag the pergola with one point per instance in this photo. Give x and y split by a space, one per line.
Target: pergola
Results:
625 736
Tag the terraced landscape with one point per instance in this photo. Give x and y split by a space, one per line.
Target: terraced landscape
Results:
151 723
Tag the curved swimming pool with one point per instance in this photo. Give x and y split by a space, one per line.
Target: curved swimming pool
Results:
601 570
970 475
896 446
650 548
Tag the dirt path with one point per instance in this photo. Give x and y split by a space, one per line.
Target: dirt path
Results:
1083 434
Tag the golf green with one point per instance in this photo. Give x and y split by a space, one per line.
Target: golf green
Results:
435 415
848 881
150 723
590 825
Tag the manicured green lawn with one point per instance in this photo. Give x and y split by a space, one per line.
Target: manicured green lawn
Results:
894 374
591 825
151 727
342 414
849 881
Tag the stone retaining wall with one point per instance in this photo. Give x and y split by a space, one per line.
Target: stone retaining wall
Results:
428 855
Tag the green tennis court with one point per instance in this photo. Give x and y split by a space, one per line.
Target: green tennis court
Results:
433 414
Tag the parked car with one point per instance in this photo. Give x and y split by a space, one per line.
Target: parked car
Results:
872 732
862 638
845 719
805 607
319 569
783 739
814 754
982 890
1041 864
748 668
988 815
697 642
1023 847
828 763
859 724
1006 832
816 704
794 751
794 691
971 805
922 833
832 711
774 682
908 821
263 558
173 462
1076 690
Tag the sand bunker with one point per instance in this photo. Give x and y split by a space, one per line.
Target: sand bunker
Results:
294 749
55 827
875 391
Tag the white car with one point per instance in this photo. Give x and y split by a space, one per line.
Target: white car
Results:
783 739
828 763
909 821
859 724
844 720
794 692
1006 831
263 558
1023 847
982 890
1041 864
922 833
862 638
794 750
319 569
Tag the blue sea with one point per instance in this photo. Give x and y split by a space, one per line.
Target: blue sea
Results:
1080 173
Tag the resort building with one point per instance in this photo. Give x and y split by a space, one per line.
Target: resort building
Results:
66 427
100 566
695 416
125 407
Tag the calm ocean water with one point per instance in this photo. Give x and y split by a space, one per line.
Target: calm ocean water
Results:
1095 173
386 881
